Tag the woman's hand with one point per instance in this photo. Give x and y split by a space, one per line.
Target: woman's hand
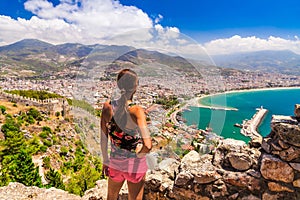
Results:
105 170
138 150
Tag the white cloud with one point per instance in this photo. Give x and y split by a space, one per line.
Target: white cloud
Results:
90 21
109 22
158 19
238 44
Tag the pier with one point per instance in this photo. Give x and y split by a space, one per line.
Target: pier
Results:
249 127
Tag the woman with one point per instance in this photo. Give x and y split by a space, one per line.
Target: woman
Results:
125 125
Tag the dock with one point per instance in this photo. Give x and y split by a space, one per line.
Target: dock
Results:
249 127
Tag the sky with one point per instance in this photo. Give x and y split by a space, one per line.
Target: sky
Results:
218 26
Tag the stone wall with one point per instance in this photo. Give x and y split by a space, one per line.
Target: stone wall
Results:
235 170
51 105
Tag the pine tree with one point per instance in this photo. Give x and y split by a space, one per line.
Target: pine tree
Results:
24 171
55 179
14 142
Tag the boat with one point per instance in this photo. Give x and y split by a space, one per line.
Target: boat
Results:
238 125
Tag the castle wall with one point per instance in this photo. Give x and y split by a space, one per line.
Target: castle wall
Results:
52 105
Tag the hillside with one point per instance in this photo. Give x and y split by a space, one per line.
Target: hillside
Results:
31 57
40 149
286 62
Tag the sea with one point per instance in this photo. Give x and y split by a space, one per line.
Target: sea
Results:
279 101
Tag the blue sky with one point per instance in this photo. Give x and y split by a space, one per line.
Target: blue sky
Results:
220 26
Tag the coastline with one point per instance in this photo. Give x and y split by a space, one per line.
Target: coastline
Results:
201 105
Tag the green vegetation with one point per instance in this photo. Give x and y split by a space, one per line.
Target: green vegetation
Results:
16 161
39 95
2 109
55 179
82 104
73 161
167 102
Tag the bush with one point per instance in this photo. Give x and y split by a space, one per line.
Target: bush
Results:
43 148
47 143
43 135
63 151
46 162
2 109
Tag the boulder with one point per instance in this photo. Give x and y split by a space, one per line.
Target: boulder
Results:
242 180
240 161
274 169
276 187
289 133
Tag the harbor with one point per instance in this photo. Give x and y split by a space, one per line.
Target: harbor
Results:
249 127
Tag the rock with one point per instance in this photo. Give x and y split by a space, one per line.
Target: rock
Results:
169 166
256 142
183 178
18 191
287 132
153 180
242 180
274 169
204 177
250 197
254 173
218 190
200 167
265 145
290 154
218 158
296 183
98 192
297 111
283 145
190 159
232 145
239 161
183 194
276 187
295 166
275 147
233 196
268 196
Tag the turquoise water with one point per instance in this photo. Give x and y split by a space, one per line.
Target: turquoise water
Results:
277 102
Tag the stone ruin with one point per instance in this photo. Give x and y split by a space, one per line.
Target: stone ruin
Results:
49 105
234 171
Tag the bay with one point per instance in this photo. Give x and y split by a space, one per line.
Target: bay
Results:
279 101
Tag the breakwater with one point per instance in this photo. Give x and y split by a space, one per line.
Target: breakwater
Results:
249 127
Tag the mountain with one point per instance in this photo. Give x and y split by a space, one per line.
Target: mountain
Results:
27 45
31 57
154 60
285 62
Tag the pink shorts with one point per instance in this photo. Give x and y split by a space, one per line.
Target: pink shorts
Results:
120 176
130 169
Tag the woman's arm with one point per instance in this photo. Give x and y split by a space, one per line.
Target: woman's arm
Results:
105 118
145 134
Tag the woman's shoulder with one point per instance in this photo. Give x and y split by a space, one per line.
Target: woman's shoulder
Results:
136 110
107 108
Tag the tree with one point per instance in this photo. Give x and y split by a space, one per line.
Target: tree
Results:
13 143
57 114
83 180
23 170
55 179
